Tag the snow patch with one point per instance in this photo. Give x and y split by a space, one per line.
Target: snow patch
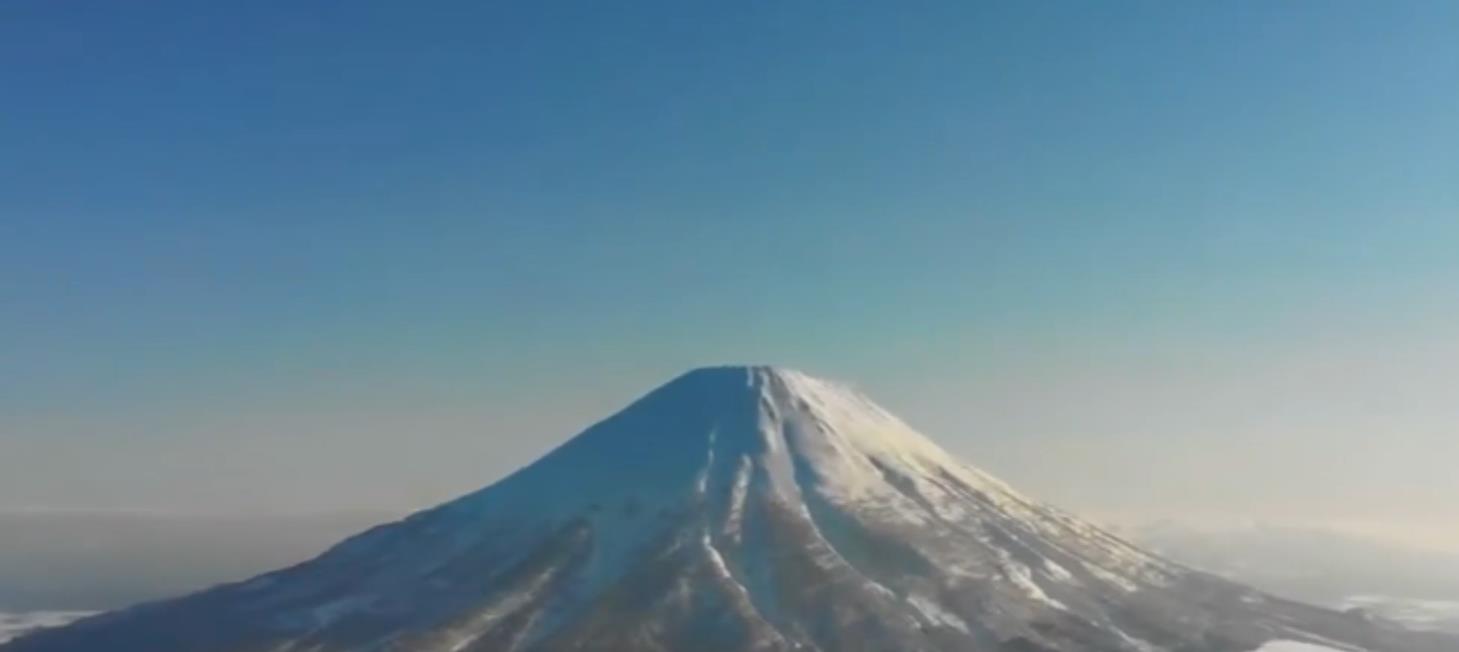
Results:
1139 644
1113 579
738 491
935 614
1022 577
12 625
1057 572
1296 646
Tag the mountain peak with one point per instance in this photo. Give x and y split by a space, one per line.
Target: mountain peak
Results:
742 369
732 377
769 408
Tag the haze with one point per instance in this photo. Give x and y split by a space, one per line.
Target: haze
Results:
1193 261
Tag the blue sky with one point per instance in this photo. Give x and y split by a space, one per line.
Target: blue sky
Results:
383 235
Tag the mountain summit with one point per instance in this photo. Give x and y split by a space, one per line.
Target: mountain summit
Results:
734 509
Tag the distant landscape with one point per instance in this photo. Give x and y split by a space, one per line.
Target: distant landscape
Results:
93 561
1417 587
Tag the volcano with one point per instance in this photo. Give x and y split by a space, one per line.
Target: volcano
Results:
736 509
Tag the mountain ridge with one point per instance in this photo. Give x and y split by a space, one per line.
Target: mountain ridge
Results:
735 508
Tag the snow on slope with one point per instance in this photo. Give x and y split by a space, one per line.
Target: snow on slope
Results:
13 624
734 509
1294 646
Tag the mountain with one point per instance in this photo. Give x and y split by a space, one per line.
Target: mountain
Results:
736 509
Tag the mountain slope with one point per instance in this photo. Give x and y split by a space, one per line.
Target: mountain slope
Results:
734 509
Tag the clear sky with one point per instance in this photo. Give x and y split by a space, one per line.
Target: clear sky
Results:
1143 257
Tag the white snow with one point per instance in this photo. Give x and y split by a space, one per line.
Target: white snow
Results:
1139 644
1113 579
1057 572
1296 646
738 491
1022 577
858 430
502 608
12 625
935 614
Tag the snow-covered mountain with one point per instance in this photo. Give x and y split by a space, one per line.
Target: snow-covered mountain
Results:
735 509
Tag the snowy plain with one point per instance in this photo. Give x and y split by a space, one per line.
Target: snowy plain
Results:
1432 615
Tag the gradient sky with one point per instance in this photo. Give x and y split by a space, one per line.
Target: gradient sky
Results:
1138 258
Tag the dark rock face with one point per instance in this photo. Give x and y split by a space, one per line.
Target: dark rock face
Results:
734 510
